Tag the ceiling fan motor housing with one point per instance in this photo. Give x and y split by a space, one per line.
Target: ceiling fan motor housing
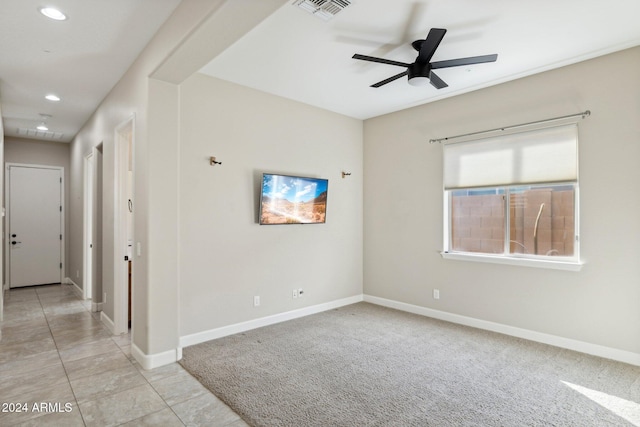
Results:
419 70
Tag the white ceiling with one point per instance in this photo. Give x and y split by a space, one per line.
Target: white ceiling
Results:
79 59
295 55
298 56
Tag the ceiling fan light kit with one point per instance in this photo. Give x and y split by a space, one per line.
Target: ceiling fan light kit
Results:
420 72
419 81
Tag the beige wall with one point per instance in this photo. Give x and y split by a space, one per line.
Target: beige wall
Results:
19 150
225 257
49 153
128 99
192 36
404 212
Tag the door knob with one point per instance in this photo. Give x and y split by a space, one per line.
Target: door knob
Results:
14 242
14 235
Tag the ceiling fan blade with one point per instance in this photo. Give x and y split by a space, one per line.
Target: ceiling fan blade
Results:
430 45
464 61
380 60
390 79
436 81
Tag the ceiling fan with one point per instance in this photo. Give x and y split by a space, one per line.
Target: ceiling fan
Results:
421 71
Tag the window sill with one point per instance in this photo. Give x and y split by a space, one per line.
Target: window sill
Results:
523 262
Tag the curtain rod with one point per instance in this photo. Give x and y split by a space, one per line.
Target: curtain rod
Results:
584 114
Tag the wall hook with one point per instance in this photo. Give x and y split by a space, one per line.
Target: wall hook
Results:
344 174
212 161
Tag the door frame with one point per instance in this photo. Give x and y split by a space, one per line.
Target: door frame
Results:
124 143
88 238
7 203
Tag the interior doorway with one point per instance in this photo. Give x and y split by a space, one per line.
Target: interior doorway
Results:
124 226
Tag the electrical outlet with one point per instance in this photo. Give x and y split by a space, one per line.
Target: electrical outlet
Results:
300 292
104 297
295 293
77 274
436 294
256 301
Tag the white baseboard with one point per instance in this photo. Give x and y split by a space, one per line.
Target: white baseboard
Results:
568 343
79 292
108 322
150 361
155 360
224 331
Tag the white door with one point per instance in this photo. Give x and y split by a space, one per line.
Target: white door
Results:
34 225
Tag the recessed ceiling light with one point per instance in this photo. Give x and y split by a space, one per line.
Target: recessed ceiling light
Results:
53 13
52 97
42 126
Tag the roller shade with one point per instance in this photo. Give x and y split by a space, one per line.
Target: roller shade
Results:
538 156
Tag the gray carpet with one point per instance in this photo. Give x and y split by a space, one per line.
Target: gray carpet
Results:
365 365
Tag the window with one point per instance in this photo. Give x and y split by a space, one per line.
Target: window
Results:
525 220
514 198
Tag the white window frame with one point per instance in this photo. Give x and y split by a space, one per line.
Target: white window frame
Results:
572 263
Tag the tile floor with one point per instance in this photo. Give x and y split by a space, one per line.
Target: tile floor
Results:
54 351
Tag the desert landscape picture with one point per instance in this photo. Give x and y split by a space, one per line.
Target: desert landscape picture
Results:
293 200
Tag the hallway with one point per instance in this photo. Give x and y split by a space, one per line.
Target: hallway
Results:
60 366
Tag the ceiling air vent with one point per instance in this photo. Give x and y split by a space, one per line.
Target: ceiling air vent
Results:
35 133
323 9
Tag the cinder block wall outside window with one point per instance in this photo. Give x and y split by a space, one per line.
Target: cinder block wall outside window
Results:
555 232
478 223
